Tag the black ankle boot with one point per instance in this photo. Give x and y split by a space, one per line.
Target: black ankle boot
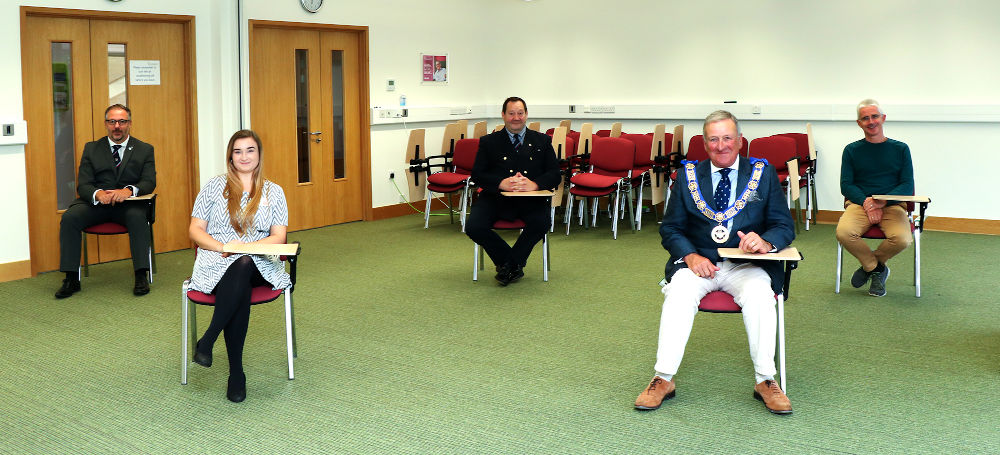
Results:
236 391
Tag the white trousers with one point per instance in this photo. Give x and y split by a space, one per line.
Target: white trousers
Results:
751 288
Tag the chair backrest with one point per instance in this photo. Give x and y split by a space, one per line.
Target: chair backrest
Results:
603 133
535 126
463 128
612 156
801 149
570 149
616 129
452 133
643 145
465 155
479 129
745 148
567 123
777 150
696 149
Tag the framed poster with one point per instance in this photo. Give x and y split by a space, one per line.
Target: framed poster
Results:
434 69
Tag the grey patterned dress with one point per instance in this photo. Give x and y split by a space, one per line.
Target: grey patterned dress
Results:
210 205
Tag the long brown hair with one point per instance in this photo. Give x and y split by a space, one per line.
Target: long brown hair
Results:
242 219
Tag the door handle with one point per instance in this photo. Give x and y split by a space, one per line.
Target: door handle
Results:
317 133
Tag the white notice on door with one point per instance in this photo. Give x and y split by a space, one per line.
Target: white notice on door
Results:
144 72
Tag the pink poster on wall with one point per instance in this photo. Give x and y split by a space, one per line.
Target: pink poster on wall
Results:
434 68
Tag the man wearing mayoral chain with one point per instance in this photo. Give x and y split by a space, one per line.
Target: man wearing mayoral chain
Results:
874 165
726 202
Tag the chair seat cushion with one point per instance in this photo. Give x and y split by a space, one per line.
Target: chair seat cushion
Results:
445 188
508 224
106 229
719 302
591 192
259 294
594 180
447 178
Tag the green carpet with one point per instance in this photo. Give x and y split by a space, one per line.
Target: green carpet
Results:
400 352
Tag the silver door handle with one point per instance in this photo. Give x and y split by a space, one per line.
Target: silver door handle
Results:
316 133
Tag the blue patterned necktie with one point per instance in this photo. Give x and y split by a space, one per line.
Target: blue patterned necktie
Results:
516 142
722 190
114 154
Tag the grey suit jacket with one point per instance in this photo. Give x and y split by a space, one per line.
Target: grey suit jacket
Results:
98 171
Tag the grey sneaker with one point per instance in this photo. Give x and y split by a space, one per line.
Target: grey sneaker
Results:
860 277
877 288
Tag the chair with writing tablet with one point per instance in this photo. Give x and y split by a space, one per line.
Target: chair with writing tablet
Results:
722 302
916 227
508 225
287 253
112 228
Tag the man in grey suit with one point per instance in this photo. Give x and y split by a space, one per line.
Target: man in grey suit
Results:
112 169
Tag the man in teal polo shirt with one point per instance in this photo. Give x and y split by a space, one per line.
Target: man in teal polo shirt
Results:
874 165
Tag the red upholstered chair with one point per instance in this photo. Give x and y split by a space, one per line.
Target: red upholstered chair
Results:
259 294
518 224
641 165
779 151
110 228
805 173
457 179
916 227
722 302
603 133
610 170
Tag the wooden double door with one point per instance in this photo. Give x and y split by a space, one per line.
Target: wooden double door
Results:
308 99
74 67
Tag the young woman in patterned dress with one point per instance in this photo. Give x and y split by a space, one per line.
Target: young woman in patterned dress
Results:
238 207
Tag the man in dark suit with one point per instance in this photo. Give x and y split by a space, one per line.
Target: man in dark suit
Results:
727 201
512 159
112 169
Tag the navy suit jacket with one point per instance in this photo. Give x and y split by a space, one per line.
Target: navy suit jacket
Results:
497 160
98 171
685 230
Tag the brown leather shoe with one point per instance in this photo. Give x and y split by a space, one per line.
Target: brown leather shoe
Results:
774 399
659 389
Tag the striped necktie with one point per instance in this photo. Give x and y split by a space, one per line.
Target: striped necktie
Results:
516 142
115 155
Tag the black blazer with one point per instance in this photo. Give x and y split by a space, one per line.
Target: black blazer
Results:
98 171
685 230
497 160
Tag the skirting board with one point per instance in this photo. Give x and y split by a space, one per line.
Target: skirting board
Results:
392 211
15 271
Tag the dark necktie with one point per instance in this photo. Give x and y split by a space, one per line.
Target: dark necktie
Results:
516 142
114 153
722 190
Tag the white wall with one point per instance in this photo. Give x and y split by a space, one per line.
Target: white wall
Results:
911 55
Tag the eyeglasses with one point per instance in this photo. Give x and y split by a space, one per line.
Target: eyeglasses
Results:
870 117
113 122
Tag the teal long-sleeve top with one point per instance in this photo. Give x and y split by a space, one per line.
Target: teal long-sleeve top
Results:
883 168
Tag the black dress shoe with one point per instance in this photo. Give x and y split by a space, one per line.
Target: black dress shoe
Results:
141 285
516 273
69 287
503 274
236 391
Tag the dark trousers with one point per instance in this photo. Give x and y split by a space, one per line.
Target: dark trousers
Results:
535 211
232 310
83 215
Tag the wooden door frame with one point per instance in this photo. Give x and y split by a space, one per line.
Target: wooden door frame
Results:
190 70
367 212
